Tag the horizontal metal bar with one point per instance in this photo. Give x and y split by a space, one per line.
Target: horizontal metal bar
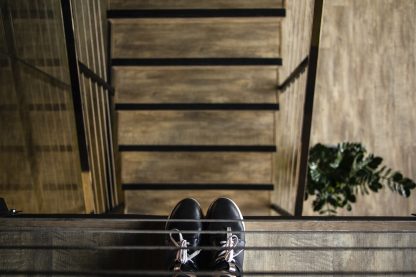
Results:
94 77
196 106
198 148
201 273
159 186
208 248
162 218
196 61
100 230
194 13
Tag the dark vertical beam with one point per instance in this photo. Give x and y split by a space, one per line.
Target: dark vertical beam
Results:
308 105
75 85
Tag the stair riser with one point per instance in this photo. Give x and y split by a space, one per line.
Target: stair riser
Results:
196 167
192 4
196 84
195 127
195 38
162 202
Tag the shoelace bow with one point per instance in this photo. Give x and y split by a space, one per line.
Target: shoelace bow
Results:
228 253
182 255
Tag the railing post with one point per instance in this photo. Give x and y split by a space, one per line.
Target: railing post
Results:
77 105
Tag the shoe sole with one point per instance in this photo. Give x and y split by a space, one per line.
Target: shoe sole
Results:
199 205
238 209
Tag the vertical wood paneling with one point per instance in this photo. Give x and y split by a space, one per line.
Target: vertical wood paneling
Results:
296 37
366 89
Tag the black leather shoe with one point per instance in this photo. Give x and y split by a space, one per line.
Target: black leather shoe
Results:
184 260
228 260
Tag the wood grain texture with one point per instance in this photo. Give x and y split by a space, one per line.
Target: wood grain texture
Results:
162 202
296 35
195 84
196 38
196 127
192 4
366 74
202 167
286 163
302 246
296 39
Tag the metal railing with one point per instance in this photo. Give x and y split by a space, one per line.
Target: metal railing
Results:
56 148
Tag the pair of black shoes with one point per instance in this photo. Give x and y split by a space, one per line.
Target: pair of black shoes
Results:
224 234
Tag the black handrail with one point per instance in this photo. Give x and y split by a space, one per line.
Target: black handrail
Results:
308 106
74 78
94 77
301 68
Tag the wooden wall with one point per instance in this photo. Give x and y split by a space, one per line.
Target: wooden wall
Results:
296 33
366 89
39 163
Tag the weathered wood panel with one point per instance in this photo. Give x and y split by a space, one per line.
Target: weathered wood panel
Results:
299 246
296 35
202 167
196 38
195 84
192 4
196 127
286 168
365 89
162 202
296 39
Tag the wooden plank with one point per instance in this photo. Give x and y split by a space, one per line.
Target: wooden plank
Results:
162 202
196 127
374 102
192 4
196 167
196 38
195 84
301 252
325 225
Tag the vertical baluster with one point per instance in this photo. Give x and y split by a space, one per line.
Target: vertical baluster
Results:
82 42
90 97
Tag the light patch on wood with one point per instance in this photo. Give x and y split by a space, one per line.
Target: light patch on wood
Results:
196 127
196 167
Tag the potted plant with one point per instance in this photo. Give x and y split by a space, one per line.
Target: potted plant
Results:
336 174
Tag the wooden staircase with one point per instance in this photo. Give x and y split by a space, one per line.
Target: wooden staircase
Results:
196 97
128 245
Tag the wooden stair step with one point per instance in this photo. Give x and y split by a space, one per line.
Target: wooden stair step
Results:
195 127
252 202
195 38
196 167
195 84
192 4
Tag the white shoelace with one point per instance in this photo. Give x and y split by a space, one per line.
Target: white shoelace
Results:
228 253
182 254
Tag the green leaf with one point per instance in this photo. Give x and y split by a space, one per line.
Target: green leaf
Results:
375 162
397 176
